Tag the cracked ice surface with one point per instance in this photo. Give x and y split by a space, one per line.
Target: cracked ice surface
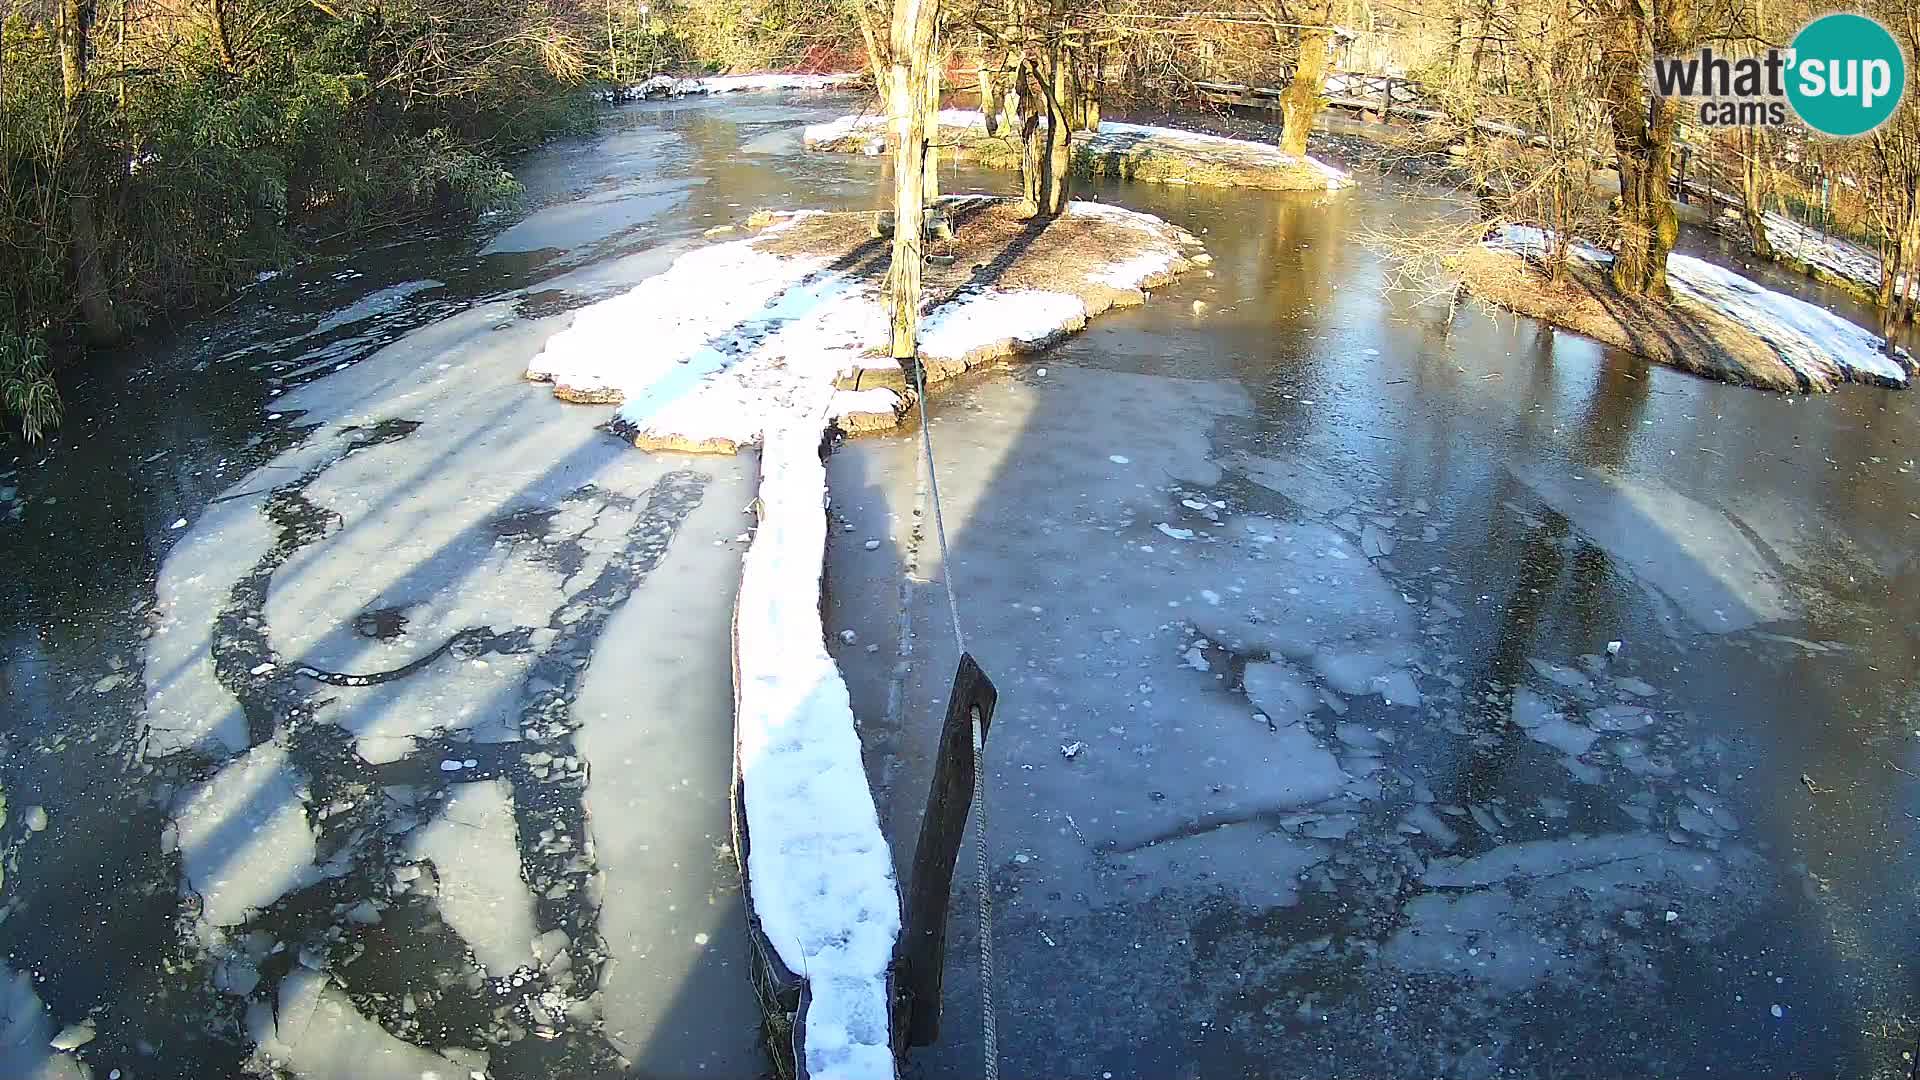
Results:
243 836
1255 725
473 845
314 1032
1084 612
1518 914
369 654
25 1029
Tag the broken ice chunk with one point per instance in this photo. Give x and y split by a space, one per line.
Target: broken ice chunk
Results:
1567 737
1276 689
1530 709
1620 718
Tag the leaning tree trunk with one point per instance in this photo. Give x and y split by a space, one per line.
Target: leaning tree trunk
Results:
1300 102
878 66
85 245
1643 149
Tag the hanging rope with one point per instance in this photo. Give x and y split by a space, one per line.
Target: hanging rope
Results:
989 1031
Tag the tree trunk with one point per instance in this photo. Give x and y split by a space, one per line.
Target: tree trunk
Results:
1034 158
223 37
1898 260
878 66
930 113
912 46
1300 102
989 97
1089 92
1643 149
1059 133
1754 187
74 18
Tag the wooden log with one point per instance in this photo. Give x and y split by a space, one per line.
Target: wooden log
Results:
781 993
923 941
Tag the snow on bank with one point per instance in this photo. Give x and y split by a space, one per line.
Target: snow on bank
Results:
1821 347
1114 138
666 86
818 867
738 339
1831 254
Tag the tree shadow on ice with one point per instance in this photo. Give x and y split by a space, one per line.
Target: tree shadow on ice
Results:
363 828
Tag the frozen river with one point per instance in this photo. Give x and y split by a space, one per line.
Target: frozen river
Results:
1384 691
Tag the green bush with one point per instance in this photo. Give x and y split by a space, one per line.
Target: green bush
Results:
27 390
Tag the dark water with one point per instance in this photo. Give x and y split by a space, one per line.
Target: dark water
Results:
1749 556
1485 419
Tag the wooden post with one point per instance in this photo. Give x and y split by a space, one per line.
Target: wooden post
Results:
1386 110
923 941
912 41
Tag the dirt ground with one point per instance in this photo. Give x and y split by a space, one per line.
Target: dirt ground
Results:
992 247
1675 332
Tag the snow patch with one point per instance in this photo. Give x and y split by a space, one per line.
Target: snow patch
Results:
1830 253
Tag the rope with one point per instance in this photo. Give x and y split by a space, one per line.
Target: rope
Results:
939 520
989 1030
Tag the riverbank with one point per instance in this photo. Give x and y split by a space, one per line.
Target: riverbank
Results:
1716 323
1120 151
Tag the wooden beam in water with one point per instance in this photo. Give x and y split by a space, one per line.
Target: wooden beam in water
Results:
923 941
